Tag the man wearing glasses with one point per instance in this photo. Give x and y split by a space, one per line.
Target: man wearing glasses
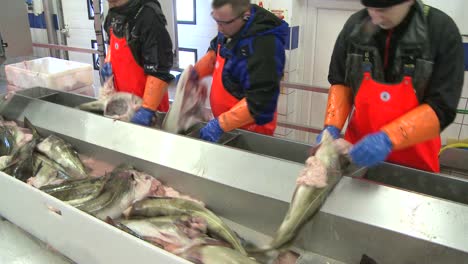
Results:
246 60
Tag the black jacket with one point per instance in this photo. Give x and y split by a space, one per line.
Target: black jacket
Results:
441 89
143 24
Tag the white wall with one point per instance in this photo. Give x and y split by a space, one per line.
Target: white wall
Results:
198 36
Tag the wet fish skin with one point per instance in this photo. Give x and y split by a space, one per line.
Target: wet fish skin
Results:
46 172
7 142
63 153
114 191
212 254
176 206
78 191
188 106
307 200
120 106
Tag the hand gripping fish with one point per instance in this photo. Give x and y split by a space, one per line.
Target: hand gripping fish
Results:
188 107
321 173
116 105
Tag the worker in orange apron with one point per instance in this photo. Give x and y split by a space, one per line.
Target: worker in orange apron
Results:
397 71
246 60
140 54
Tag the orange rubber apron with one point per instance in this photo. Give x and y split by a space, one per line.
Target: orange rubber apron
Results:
377 104
128 75
222 101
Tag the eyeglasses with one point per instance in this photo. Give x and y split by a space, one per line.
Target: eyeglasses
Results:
225 23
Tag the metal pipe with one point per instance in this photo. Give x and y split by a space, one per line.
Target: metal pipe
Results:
304 87
99 34
67 48
51 32
61 21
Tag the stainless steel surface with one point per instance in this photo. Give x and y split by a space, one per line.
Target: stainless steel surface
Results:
252 191
14 28
239 139
387 224
259 144
51 32
55 96
19 247
455 160
437 185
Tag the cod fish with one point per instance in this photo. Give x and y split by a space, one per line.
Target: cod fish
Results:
188 107
46 172
21 164
322 172
124 187
152 207
75 192
175 234
212 254
120 106
63 153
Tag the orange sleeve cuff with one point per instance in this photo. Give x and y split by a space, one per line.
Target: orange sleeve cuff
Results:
155 89
416 126
205 66
236 117
338 106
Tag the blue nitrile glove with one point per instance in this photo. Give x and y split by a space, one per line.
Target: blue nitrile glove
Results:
333 130
143 116
106 71
212 131
371 150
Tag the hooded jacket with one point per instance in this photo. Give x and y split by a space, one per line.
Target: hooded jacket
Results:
255 59
143 24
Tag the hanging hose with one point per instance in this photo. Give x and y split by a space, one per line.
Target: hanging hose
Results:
458 144
454 145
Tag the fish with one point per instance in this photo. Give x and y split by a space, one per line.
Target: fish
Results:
120 106
21 164
75 192
7 141
152 207
61 152
124 187
188 107
46 172
321 173
213 254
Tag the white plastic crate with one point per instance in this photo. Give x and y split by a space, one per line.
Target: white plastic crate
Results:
50 73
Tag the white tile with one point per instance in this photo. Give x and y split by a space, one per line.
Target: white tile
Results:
282 104
459 117
464 132
451 131
465 85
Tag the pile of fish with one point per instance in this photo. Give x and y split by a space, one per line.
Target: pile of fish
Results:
131 200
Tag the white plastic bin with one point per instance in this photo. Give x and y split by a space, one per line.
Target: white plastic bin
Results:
50 73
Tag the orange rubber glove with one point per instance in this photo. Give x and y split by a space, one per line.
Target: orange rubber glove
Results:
416 126
155 89
236 117
338 106
205 66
